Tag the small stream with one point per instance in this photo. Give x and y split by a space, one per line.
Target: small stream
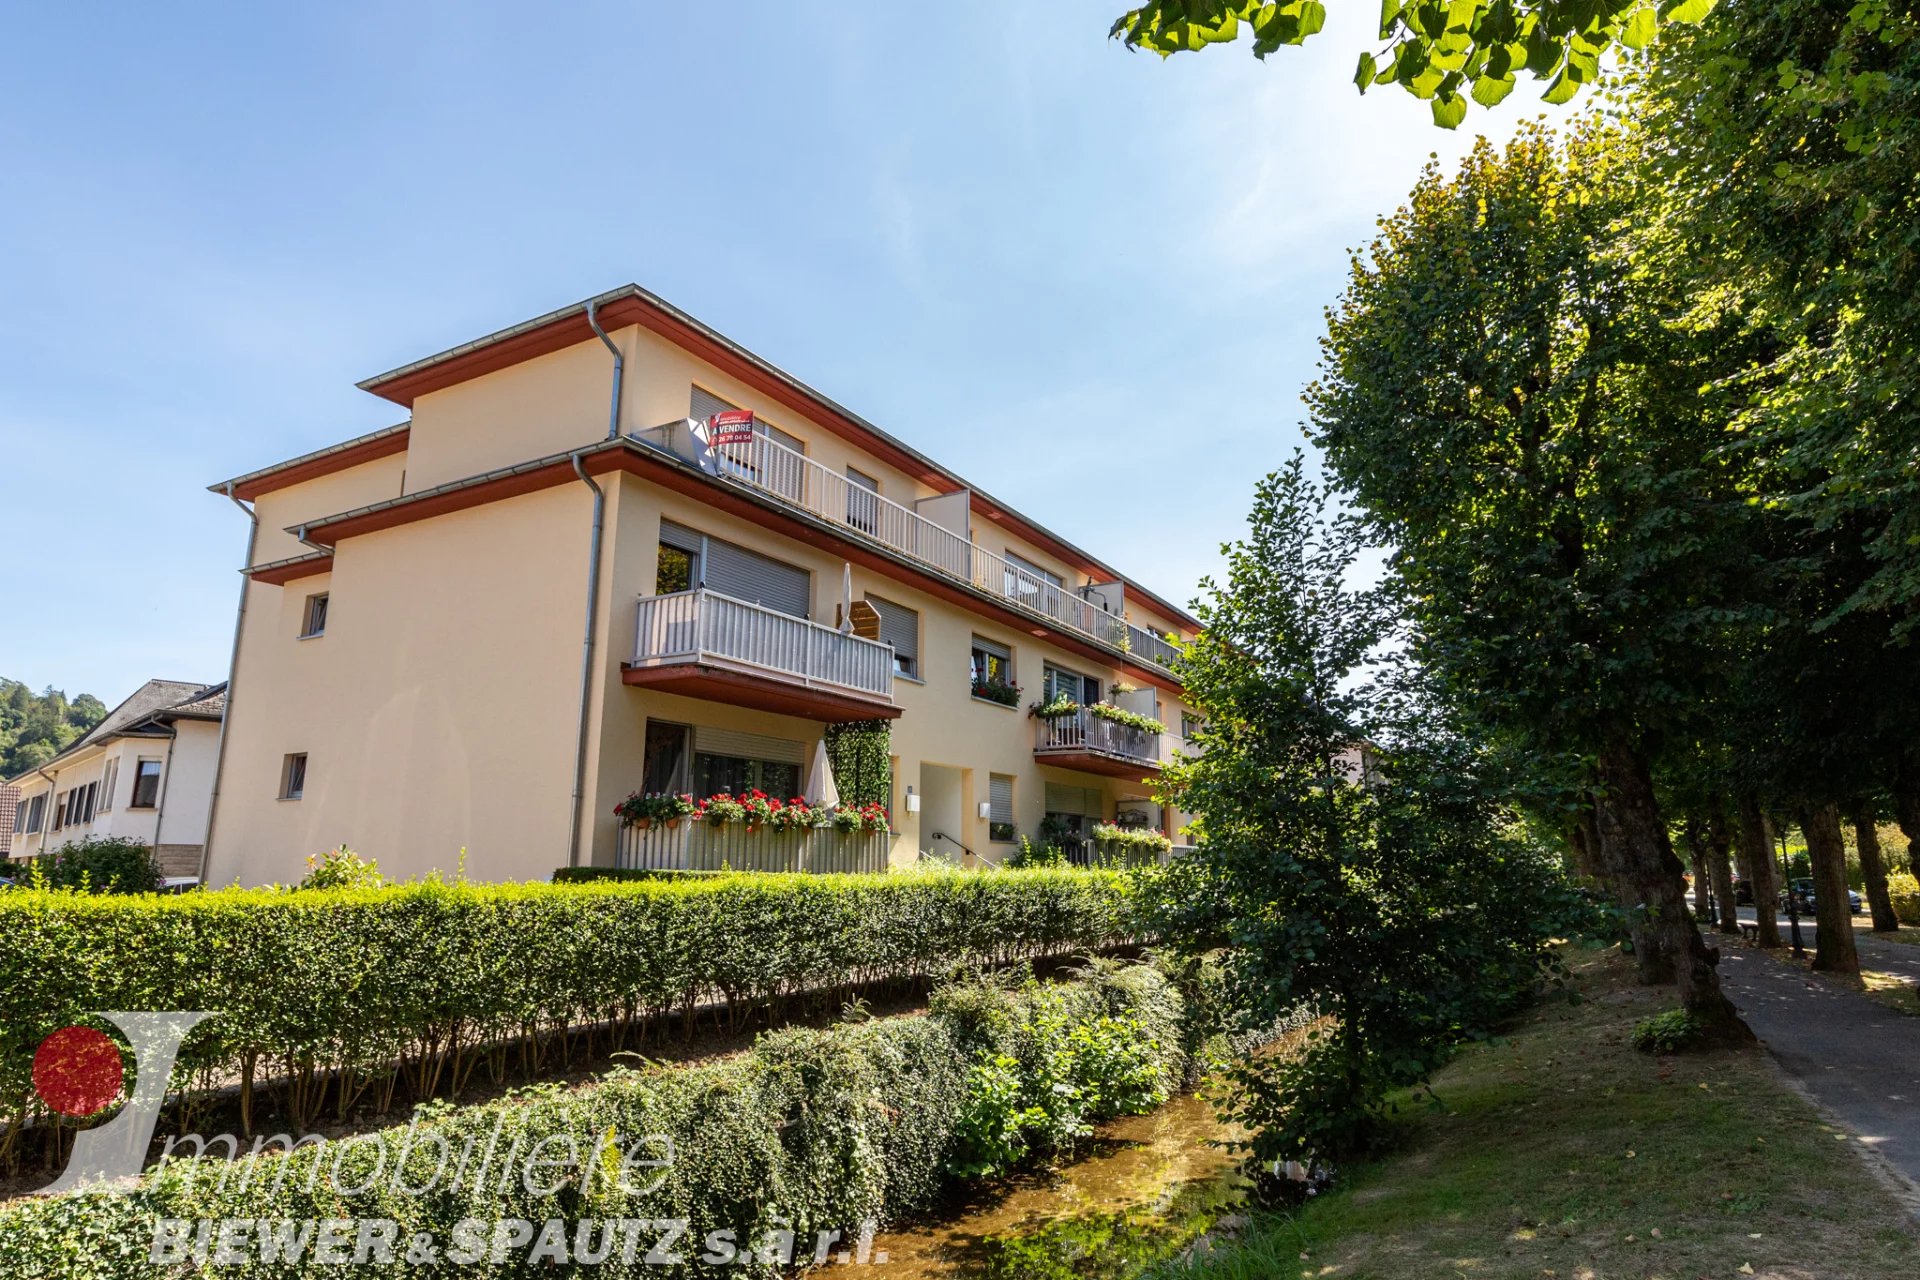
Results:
1142 1189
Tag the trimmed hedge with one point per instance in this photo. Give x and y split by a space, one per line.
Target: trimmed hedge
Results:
809 1131
417 986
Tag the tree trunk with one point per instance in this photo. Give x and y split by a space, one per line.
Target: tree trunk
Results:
1834 951
1720 867
1756 864
1694 834
1638 854
1873 869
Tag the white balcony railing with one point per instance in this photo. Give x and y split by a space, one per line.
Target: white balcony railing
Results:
1084 731
772 468
706 627
699 846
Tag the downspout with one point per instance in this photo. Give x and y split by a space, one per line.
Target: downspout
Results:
577 816
233 660
160 808
586 661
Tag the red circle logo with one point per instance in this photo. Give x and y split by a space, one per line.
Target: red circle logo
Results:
78 1071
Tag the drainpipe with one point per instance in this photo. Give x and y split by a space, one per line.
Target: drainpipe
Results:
586 656
160 806
619 375
233 661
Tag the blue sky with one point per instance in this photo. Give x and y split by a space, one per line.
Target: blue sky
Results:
1091 281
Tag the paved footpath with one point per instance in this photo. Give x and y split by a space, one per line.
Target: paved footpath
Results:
1858 1057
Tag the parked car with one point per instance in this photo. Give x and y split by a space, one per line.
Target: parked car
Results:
1805 901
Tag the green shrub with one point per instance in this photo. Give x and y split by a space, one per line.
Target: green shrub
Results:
1674 1031
114 865
1905 892
413 984
809 1131
342 868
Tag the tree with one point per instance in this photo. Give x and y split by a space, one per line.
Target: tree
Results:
1505 392
1439 52
1402 903
36 728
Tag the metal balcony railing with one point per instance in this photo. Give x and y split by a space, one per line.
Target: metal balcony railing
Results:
706 627
772 468
1084 731
699 846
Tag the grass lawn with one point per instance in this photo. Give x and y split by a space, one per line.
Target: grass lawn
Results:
1907 934
1562 1153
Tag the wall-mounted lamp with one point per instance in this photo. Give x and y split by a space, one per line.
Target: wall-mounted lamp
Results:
913 801
986 808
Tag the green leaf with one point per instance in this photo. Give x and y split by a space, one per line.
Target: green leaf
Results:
1564 86
1389 10
1313 16
1449 110
1488 91
1364 76
1640 28
1686 10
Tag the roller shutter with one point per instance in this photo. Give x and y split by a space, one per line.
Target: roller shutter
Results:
899 627
748 575
747 746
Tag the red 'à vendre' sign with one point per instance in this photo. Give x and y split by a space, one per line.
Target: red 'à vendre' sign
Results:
735 426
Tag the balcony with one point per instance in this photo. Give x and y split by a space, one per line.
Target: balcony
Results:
702 644
1092 744
698 846
772 469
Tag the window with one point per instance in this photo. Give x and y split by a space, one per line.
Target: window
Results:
36 813
734 760
1071 813
1071 685
899 627
1000 808
109 779
689 558
1028 583
146 784
20 818
315 622
85 798
293 776
863 500
664 766
1189 725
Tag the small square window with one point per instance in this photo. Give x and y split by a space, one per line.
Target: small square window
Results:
315 622
293 776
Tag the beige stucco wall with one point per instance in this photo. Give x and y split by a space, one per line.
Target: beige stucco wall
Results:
438 710
328 495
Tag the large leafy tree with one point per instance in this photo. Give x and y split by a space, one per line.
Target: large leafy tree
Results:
1384 887
1442 52
34 728
1507 391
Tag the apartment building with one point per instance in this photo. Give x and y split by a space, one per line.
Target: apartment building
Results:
610 550
143 773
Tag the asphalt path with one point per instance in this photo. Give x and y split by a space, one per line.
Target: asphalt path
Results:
1856 1056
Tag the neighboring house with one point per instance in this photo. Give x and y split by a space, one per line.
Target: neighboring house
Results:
9 803
144 773
409 668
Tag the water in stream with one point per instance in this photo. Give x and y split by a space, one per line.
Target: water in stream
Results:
1143 1188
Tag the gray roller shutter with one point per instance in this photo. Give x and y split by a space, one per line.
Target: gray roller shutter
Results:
1074 800
747 746
680 537
1000 798
899 627
757 579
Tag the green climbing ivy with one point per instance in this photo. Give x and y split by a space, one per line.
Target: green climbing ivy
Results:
860 752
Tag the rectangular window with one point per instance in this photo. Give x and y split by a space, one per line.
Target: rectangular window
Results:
109 779
1071 685
664 767
315 622
863 500
36 813
713 774
992 662
89 796
293 776
689 558
1189 726
146 784
1000 806
899 627
20 818
60 811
